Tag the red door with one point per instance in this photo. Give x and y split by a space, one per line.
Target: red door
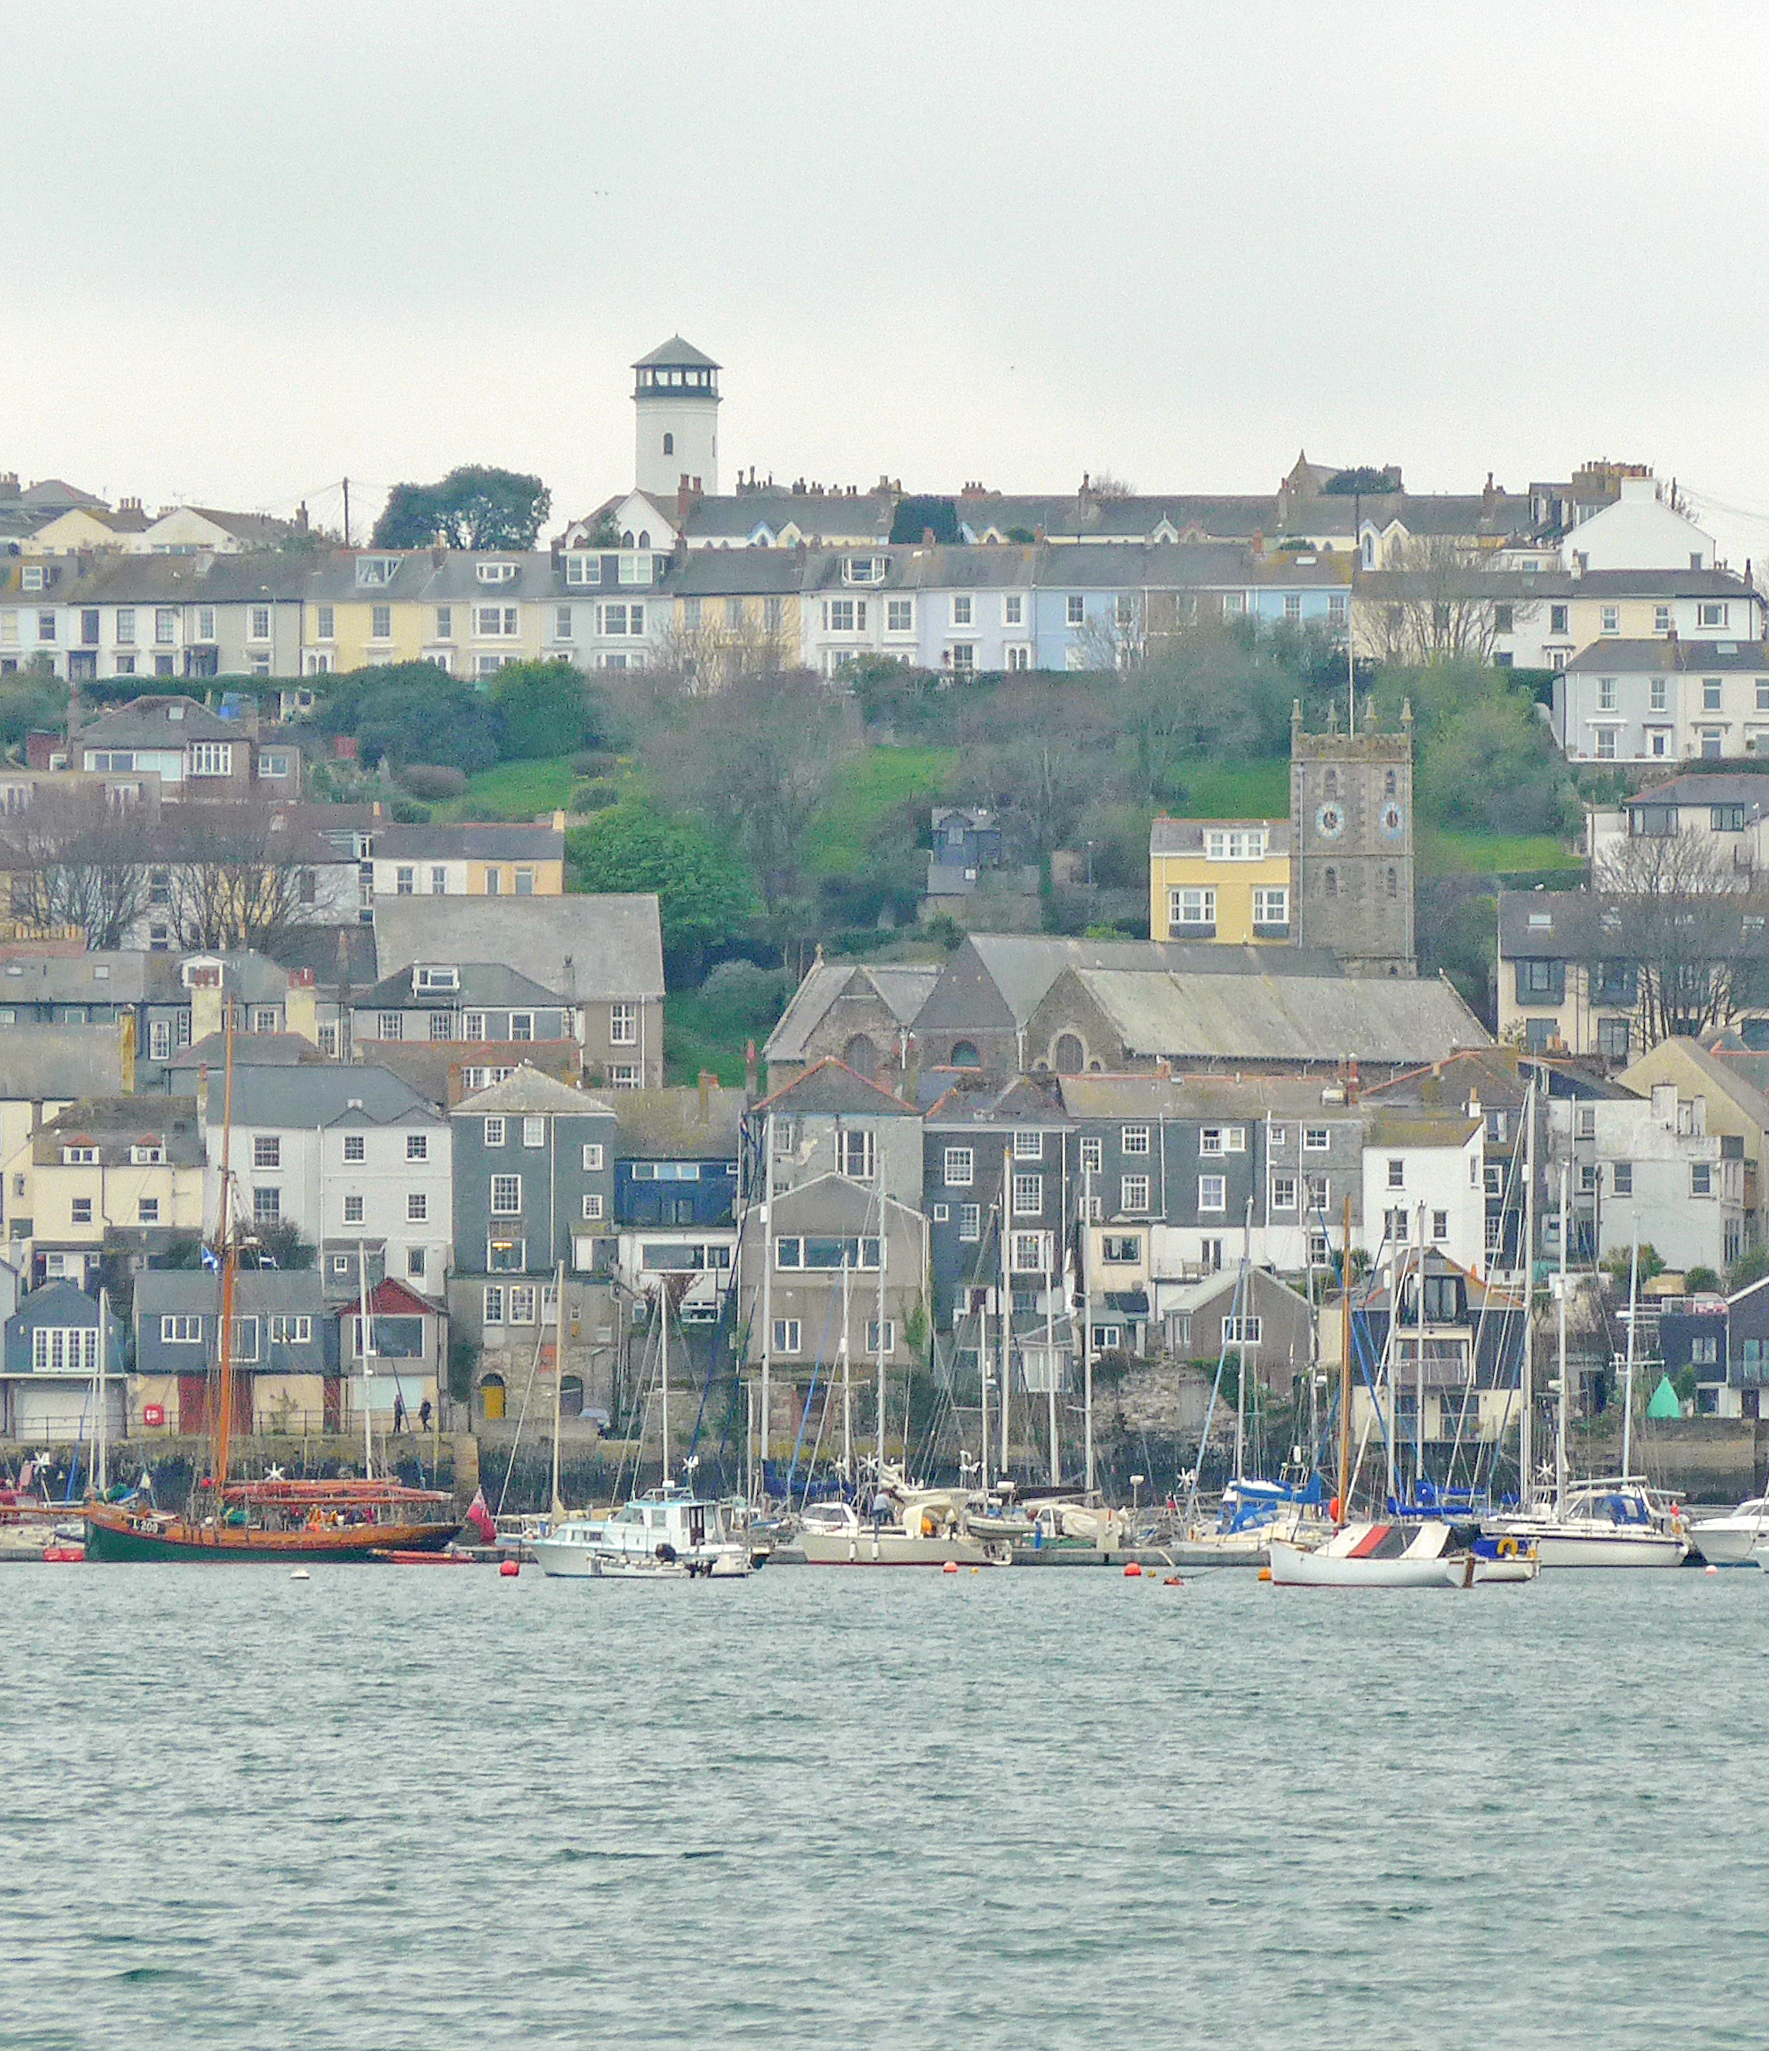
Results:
193 1404
242 1405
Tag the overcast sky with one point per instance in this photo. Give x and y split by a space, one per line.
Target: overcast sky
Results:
258 246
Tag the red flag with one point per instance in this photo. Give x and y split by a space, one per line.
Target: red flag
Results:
480 1518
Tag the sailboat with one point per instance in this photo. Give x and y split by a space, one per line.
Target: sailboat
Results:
667 1534
350 1518
1617 1521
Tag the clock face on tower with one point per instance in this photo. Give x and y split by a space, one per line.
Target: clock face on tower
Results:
1393 820
1330 821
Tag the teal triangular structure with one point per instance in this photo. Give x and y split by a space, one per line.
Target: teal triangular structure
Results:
1664 1400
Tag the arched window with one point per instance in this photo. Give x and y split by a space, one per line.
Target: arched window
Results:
1070 1055
491 1398
644 537
571 1395
965 1055
669 445
626 540
1330 882
862 1056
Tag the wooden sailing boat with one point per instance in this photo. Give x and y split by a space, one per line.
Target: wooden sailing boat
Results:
342 1519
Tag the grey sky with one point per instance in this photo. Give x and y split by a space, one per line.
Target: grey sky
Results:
253 247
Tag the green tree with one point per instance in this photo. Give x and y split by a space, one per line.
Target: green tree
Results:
413 712
702 888
472 507
543 708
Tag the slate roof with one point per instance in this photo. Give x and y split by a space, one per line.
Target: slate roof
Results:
902 987
667 1125
1409 1127
147 722
317 948
1186 836
1659 658
115 1124
250 1050
1557 925
256 1291
1744 1078
588 948
436 1069
41 1063
530 1092
832 1088
330 1094
1526 584
489 842
122 977
1022 967
1199 1097
863 516
482 983
736 573
1283 1018
1026 1100
1700 790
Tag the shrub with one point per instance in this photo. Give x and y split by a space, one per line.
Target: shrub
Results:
596 795
408 812
432 780
747 994
594 762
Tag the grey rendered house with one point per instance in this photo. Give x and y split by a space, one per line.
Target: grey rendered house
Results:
468 1001
534 1191
286 1377
602 955
48 1392
675 1190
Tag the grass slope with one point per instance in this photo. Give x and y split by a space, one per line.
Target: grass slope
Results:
866 788
514 790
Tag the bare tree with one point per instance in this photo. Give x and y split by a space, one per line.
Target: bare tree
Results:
237 876
1433 602
714 652
1695 928
79 857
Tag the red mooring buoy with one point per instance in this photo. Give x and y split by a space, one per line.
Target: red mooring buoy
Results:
509 1569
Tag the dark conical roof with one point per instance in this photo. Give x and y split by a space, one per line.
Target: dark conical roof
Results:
678 355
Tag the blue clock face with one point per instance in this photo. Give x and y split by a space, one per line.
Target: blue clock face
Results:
1393 820
1330 821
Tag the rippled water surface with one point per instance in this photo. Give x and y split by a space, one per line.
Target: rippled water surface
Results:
390 1808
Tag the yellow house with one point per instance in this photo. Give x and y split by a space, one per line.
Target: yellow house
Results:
104 1166
467 612
92 529
1226 880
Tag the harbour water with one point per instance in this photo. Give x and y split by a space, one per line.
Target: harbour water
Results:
383 1808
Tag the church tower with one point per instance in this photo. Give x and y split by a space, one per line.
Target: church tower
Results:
676 426
1351 826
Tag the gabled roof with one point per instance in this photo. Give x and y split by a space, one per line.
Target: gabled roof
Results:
832 1088
1026 1100
469 842
327 1094
531 1093
388 1298
903 988
250 1050
834 1203
1186 836
1741 1078
1282 1018
588 948
149 722
1695 789
1407 1127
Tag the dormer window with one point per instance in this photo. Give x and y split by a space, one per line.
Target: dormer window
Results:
582 568
1235 844
375 569
438 979
496 573
865 569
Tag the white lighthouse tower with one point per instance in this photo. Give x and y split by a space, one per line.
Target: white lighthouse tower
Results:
676 409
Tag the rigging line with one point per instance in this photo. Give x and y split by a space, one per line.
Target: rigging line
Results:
1505 1197
516 1442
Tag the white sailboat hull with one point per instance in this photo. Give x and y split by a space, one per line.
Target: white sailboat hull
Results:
1294 1567
1572 1545
891 1547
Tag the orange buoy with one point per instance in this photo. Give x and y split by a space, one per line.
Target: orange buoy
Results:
1712 1569
1333 1509
1265 1573
509 1569
1132 1568
1173 1581
951 1567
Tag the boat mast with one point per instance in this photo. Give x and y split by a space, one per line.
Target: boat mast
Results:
1560 1424
1006 1318
222 1424
1527 1371
767 1308
663 1302
1345 1370
1086 1323
883 1249
1419 1371
1056 1465
847 1379
365 1326
558 1377
1628 1379
101 1436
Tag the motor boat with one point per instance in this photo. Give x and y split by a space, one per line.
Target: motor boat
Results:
667 1534
1738 1539
1608 1523
908 1527
1427 1554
